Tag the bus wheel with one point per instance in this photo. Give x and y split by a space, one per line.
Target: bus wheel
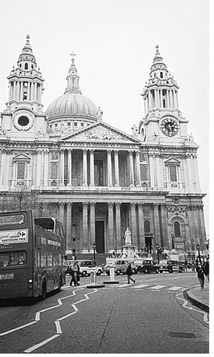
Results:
44 292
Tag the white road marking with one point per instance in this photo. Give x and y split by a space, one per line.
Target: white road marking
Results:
174 288
57 322
185 304
17 328
157 287
140 286
123 285
33 348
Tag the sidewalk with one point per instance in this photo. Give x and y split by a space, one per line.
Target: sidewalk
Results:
198 297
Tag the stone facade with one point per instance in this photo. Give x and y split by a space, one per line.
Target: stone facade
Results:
95 178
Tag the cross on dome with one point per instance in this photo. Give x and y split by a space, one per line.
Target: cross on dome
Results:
73 55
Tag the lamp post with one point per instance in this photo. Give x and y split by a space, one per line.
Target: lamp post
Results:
198 249
94 248
157 246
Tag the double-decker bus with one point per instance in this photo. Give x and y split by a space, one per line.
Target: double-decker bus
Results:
31 255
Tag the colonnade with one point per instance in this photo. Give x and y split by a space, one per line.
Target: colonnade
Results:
33 90
117 218
154 99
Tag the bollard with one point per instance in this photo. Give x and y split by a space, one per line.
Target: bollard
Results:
93 281
112 275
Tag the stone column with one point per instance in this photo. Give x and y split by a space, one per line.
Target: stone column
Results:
92 226
131 168
191 227
202 224
138 168
157 225
69 167
110 227
85 168
3 160
84 245
109 168
118 246
61 212
134 225
68 226
91 167
62 164
152 174
116 168
141 226
46 153
165 241
38 165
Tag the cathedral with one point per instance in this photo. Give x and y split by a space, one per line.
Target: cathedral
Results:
68 163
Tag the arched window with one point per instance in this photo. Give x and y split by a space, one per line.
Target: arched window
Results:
177 229
146 226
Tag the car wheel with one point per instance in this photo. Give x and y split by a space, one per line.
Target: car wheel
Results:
84 273
99 272
117 272
146 271
161 271
157 271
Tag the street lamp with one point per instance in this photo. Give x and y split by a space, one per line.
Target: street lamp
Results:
94 248
198 249
157 246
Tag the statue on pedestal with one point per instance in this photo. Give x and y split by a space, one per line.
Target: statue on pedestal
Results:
128 236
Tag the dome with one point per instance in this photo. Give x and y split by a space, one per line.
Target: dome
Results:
72 105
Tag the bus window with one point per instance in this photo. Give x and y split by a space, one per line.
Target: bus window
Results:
12 258
45 222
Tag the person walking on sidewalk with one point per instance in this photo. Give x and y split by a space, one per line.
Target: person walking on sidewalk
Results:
200 274
129 273
206 268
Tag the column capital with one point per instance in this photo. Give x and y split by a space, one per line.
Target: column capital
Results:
92 203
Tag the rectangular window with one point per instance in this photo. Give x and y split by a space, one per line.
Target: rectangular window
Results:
144 172
173 173
20 170
53 171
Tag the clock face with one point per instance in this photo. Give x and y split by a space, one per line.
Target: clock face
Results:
169 126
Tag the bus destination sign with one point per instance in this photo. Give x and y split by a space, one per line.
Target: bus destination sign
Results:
14 236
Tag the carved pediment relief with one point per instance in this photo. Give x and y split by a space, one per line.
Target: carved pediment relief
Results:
101 132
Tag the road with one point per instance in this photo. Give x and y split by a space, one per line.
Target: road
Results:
150 316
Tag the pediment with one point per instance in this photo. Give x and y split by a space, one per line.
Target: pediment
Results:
101 132
21 157
172 161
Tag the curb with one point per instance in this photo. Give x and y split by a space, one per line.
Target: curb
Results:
188 296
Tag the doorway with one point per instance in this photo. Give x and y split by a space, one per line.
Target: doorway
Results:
99 237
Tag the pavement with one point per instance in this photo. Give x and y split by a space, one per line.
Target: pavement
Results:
198 297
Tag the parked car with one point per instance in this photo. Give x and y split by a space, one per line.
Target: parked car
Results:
148 266
175 266
163 266
86 267
120 267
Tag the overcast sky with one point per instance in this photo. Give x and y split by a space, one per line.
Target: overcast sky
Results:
115 45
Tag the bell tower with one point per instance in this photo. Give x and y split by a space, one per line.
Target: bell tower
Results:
163 120
23 114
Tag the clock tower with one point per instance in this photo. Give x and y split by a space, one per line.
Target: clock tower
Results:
163 120
23 117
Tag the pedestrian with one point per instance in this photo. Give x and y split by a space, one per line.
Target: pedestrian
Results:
71 272
129 273
76 270
200 274
205 268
